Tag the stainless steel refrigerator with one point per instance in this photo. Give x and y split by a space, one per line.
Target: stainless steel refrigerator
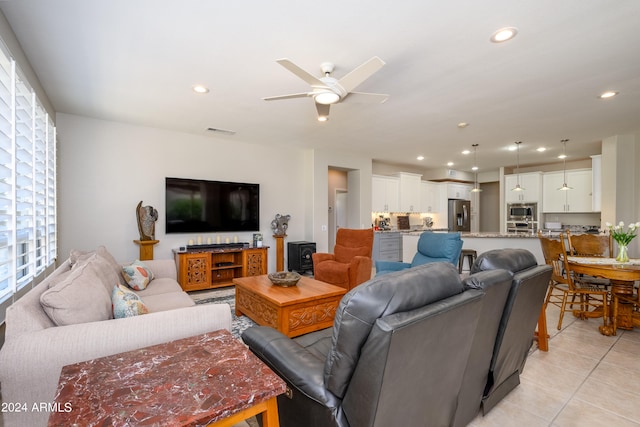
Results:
459 215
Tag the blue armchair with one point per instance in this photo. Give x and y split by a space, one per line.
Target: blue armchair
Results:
432 247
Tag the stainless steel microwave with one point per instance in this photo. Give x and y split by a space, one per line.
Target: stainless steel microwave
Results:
522 211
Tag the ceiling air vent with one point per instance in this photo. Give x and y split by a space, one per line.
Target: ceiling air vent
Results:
224 131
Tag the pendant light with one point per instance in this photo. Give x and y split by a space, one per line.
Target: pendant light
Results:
564 187
476 187
517 187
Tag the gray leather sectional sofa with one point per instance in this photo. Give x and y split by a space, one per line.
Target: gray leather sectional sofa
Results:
419 347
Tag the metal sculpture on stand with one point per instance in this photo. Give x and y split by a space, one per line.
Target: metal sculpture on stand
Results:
280 224
279 227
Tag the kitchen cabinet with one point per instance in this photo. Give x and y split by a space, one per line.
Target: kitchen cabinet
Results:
433 197
578 199
385 193
532 184
409 191
458 191
387 246
596 183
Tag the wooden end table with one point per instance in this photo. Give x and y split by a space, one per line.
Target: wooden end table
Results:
208 378
295 310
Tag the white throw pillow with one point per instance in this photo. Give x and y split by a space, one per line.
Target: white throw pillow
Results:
80 298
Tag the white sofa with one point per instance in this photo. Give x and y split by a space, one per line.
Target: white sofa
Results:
36 348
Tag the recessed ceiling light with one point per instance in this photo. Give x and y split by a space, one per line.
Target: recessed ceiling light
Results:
608 94
200 89
463 125
541 149
420 157
323 118
504 34
466 152
450 164
510 148
474 168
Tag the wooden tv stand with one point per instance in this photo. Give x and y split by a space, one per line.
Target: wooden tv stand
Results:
216 266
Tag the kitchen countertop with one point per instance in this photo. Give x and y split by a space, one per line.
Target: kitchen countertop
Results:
501 235
486 234
479 235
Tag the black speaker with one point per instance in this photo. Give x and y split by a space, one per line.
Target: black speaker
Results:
299 256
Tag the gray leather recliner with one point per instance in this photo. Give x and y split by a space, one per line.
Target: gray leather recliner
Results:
397 354
519 319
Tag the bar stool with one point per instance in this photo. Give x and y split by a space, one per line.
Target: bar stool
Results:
471 256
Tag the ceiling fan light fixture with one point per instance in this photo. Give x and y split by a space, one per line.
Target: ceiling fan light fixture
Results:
326 98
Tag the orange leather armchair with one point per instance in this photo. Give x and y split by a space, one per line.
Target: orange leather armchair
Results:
350 263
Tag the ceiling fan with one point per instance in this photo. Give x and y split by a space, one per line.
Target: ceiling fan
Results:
327 90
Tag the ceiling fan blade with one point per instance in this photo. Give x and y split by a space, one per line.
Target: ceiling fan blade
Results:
290 96
323 110
304 75
363 97
361 73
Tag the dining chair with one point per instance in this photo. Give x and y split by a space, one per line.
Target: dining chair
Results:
591 245
562 285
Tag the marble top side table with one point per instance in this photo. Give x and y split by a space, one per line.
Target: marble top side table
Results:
206 379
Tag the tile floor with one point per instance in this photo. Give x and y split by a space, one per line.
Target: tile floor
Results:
585 379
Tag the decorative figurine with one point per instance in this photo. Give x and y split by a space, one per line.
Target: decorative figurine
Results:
147 217
280 224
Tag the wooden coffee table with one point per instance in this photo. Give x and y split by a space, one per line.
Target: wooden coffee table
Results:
296 310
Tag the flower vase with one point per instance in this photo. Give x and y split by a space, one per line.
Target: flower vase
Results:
623 255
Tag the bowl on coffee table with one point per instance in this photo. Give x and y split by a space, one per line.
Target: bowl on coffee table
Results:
284 278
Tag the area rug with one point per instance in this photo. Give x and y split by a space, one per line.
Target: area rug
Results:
220 296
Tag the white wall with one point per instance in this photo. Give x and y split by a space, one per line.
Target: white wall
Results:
620 157
359 183
106 168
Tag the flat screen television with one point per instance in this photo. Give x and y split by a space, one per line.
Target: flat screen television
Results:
199 206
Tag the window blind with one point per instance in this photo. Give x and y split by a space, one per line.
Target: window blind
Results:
7 208
27 182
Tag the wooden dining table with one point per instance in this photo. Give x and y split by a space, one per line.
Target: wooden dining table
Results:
622 277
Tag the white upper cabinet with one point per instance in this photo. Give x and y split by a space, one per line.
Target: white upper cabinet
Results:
385 193
532 184
433 197
410 185
458 191
578 199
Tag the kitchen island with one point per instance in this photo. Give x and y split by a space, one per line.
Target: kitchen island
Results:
480 242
